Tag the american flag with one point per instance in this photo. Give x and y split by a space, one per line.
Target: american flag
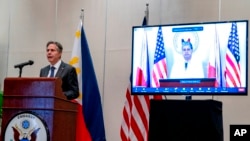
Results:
160 64
136 109
232 73
135 123
135 118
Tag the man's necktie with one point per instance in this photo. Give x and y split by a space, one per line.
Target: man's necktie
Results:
186 65
52 69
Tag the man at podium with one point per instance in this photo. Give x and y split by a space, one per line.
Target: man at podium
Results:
57 68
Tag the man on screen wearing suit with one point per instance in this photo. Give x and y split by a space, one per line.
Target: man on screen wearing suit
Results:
187 67
58 68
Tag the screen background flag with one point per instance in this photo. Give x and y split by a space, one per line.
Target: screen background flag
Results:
214 65
232 73
160 63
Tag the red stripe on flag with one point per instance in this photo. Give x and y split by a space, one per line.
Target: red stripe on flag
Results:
232 76
229 78
234 66
137 131
158 72
140 81
139 108
131 128
135 124
125 128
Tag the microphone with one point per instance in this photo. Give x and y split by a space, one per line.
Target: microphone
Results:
30 62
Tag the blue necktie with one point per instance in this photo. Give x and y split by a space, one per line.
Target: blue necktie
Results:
52 69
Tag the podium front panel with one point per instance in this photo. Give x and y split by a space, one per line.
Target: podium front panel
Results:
44 98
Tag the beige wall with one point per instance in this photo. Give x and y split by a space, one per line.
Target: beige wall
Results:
26 26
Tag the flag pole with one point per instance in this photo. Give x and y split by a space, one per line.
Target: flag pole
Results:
82 15
147 13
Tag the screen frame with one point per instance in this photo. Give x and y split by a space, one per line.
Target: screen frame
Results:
159 91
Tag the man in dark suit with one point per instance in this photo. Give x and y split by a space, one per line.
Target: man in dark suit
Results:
58 68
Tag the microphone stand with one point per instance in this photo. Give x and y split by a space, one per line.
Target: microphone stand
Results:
20 66
20 70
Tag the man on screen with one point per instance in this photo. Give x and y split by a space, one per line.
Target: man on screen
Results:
187 67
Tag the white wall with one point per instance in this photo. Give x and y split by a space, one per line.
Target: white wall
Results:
27 25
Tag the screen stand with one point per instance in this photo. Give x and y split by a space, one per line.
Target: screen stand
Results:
188 97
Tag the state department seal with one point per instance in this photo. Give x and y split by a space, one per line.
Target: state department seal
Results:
192 36
26 126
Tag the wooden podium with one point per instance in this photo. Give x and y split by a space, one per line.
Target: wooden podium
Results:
42 97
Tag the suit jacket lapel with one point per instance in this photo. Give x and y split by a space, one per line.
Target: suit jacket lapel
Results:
60 70
46 71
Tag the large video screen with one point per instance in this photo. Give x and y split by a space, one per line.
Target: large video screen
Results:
207 58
